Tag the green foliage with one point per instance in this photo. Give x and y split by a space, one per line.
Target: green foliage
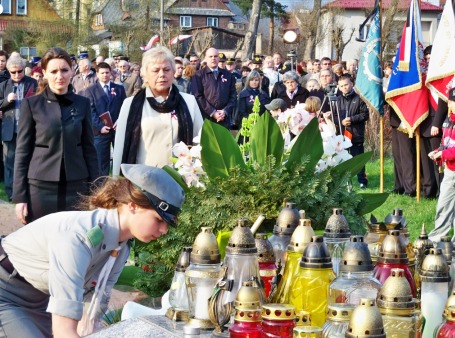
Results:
219 150
235 190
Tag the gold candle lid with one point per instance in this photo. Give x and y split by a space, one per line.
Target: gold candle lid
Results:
287 221
303 318
356 256
449 313
446 245
423 242
366 321
340 312
396 294
247 303
205 248
337 225
278 312
393 249
184 259
265 248
241 240
301 236
434 268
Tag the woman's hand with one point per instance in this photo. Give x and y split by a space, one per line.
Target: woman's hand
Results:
22 212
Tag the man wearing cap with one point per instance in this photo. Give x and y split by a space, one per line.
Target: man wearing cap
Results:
131 81
106 99
445 156
50 266
222 62
85 77
231 67
214 89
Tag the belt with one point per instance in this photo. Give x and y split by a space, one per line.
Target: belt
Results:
6 264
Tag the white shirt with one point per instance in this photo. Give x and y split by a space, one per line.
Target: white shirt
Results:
159 132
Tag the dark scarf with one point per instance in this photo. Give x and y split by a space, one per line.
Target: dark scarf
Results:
174 103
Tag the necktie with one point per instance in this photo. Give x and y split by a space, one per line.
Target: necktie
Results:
106 90
215 73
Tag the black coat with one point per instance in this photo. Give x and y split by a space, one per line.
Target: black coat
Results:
351 105
246 102
50 132
215 94
8 108
299 97
435 118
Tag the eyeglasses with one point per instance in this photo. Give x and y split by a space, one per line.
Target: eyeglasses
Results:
17 72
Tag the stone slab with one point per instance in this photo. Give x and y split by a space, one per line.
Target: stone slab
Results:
145 327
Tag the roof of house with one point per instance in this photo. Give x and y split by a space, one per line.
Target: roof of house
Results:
364 4
199 11
230 32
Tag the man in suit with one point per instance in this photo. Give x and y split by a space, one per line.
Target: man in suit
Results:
214 89
12 92
85 78
105 97
131 82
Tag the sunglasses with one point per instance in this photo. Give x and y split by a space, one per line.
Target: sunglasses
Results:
17 72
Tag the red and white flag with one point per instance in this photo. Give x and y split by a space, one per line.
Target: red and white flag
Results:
179 38
153 40
441 70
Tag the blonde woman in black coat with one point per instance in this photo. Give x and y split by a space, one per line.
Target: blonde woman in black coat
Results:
55 154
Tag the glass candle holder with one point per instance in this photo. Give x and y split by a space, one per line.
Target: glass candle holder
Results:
278 320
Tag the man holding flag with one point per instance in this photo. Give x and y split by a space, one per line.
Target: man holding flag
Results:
407 94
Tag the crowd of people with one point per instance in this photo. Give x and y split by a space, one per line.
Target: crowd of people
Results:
64 120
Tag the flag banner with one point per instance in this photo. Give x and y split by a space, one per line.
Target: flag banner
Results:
368 83
179 38
407 93
152 41
441 70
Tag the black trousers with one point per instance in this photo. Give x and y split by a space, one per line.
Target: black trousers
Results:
429 170
404 162
357 149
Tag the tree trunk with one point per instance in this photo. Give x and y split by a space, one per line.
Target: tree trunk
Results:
250 36
271 30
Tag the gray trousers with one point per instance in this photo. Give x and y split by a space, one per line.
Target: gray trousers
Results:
445 210
22 309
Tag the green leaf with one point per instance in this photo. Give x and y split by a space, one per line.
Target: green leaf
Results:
177 177
372 201
266 139
220 152
353 165
308 144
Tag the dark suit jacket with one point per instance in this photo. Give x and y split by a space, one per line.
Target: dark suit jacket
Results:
7 108
300 97
100 103
215 94
132 83
49 132
435 118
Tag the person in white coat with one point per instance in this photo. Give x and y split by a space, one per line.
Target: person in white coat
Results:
157 117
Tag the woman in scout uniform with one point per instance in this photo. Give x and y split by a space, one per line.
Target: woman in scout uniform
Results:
48 266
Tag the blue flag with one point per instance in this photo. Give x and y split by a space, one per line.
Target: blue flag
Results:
368 83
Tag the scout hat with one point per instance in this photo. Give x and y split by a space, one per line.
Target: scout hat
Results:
222 57
276 104
165 195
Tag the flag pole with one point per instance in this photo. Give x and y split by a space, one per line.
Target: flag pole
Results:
417 134
381 117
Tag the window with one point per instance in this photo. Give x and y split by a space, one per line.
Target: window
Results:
98 20
212 22
185 21
21 7
6 6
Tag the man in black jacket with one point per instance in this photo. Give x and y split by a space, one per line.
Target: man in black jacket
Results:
352 113
214 89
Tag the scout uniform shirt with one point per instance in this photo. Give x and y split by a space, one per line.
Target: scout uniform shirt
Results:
62 255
